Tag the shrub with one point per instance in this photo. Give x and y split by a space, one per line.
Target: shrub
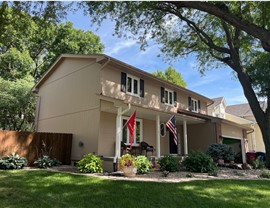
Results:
258 163
200 162
90 163
169 163
127 160
144 165
221 151
45 161
265 174
13 161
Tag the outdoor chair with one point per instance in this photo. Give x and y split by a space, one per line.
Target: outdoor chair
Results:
146 147
124 148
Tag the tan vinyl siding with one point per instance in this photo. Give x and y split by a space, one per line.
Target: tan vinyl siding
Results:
111 86
107 133
231 131
80 125
68 103
200 136
259 140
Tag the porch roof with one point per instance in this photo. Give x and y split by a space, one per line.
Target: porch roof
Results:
215 119
145 112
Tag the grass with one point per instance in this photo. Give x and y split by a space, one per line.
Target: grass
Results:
41 188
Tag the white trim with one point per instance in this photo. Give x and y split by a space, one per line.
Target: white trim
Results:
141 131
164 129
230 137
192 106
132 85
242 146
158 135
185 137
168 97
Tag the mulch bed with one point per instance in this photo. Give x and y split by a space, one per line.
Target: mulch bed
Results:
158 176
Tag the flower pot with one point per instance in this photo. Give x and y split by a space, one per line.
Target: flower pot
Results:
129 171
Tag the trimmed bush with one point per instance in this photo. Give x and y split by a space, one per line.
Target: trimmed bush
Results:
144 165
258 163
90 164
201 163
265 174
45 162
13 161
169 163
221 151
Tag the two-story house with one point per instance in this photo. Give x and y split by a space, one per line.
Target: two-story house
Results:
92 96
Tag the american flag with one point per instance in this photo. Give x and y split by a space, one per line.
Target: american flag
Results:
171 124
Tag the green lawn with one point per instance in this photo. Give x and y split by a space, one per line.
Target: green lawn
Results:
43 188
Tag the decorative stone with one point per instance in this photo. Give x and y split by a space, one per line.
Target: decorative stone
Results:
246 166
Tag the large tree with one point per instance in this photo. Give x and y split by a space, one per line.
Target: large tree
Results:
17 104
31 39
235 34
30 44
171 75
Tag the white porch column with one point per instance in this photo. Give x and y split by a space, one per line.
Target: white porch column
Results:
185 137
243 150
158 135
118 135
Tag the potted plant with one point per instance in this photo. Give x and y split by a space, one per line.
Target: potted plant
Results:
128 165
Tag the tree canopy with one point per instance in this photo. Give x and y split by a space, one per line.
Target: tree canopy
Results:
17 104
31 40
171 75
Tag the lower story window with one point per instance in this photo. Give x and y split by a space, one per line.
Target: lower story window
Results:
137 134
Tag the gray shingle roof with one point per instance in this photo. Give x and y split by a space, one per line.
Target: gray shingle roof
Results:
242 110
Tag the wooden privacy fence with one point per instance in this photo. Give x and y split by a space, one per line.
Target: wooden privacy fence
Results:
33 145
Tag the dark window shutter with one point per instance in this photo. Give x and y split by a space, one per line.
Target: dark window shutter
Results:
141 88
199 105
162 97
123 81
189 103
175 98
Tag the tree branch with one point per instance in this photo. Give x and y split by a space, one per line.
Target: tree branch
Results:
258 32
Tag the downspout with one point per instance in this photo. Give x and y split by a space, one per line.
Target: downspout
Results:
119 132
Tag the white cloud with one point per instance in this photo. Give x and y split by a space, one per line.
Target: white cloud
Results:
118 46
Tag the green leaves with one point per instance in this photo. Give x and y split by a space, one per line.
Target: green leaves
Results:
171 75
17 104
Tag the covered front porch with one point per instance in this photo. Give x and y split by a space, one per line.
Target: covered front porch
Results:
150 128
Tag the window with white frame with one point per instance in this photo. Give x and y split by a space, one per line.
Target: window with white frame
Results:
137 135
194 105
132 85
169 98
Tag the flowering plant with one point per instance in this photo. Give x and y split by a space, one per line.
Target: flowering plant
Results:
127 160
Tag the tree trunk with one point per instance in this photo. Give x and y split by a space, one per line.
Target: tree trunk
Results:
262 118
266 138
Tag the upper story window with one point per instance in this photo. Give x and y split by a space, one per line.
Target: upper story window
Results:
168 97
132 85
194 105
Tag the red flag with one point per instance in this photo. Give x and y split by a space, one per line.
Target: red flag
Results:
131 123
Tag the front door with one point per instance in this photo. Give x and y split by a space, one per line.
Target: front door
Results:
173 146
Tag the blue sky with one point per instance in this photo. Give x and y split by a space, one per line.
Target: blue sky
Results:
215 83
